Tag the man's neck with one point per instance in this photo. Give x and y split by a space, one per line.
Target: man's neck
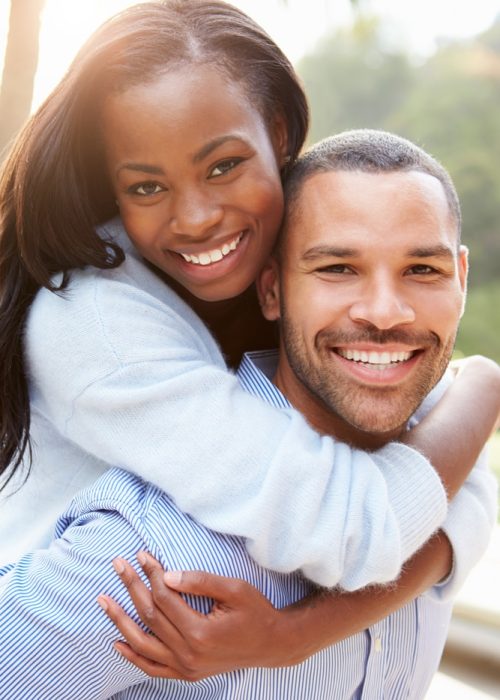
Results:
325 421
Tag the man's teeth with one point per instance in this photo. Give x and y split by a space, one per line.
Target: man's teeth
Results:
375 358
212 256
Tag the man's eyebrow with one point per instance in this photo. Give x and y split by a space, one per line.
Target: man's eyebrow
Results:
436 251
212 145
328 251
141 167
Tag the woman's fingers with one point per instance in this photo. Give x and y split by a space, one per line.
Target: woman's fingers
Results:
138 640
147 609
138 591
152 668
222 589
174 608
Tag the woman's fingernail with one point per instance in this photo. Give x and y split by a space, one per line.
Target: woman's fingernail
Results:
118 566
142 558
103 603
172 578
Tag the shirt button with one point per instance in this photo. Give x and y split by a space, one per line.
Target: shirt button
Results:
377 645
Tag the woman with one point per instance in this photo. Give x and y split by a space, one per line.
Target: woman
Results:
181 117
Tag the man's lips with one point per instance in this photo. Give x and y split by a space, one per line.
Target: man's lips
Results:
378 358
377 367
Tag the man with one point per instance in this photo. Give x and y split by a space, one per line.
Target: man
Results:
368 293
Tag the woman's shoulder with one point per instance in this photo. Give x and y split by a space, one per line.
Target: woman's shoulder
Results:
112 317
101 295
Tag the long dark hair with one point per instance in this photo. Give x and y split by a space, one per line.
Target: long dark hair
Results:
54 188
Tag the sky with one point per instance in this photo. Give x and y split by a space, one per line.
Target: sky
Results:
296 25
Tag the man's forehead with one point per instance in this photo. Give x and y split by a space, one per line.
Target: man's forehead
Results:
329 203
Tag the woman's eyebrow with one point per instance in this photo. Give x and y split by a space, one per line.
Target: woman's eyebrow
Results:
212 145
203 152
141 167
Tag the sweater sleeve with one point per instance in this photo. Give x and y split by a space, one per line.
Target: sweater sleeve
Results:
469 526
135 382
471 514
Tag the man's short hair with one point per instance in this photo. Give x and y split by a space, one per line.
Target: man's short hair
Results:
369 151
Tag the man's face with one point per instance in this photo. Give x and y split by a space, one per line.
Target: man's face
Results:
370 296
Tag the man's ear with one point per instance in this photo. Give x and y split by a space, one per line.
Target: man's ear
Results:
268 290
463 271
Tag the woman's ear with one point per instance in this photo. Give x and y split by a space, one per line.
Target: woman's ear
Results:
280 140
268 290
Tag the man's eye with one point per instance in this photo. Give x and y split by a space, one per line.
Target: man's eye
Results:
146 189
224 166
422 270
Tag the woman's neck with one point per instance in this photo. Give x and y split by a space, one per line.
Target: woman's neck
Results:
237 324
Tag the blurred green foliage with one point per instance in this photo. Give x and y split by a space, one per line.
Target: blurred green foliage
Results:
450 105
495 453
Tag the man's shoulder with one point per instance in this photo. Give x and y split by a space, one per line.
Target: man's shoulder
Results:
116 491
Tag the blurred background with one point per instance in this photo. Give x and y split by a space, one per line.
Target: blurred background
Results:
428 70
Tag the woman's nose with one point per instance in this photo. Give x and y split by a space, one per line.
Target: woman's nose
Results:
194 213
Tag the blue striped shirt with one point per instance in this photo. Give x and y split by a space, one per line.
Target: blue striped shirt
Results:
56 643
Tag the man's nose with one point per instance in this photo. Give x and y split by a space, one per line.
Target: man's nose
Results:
383 304
194 213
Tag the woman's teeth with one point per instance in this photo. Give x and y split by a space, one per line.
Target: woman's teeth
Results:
212 256
375 358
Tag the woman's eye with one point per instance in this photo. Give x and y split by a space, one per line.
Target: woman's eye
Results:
335 269
224 167
146 189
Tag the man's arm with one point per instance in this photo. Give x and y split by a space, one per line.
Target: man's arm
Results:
55 641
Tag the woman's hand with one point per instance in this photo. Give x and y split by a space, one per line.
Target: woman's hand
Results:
242 629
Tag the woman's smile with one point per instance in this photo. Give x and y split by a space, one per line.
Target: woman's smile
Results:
212 264
199 190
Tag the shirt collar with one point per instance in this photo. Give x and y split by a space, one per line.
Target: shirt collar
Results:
255 374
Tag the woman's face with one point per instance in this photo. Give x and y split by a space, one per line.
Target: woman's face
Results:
195 172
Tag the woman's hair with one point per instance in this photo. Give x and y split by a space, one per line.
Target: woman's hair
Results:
54 187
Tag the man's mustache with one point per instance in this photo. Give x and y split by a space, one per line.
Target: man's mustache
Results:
375 336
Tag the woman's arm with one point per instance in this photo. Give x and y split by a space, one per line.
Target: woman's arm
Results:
245 630
452 435
131 376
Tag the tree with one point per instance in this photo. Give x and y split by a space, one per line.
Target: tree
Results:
21 59
352 81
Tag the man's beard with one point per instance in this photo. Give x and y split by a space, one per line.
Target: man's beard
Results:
368 408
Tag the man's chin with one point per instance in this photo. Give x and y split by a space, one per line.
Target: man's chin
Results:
380 418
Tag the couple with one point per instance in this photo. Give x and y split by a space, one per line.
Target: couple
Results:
120 371
367 275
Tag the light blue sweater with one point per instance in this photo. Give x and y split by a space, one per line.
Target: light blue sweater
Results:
123 373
